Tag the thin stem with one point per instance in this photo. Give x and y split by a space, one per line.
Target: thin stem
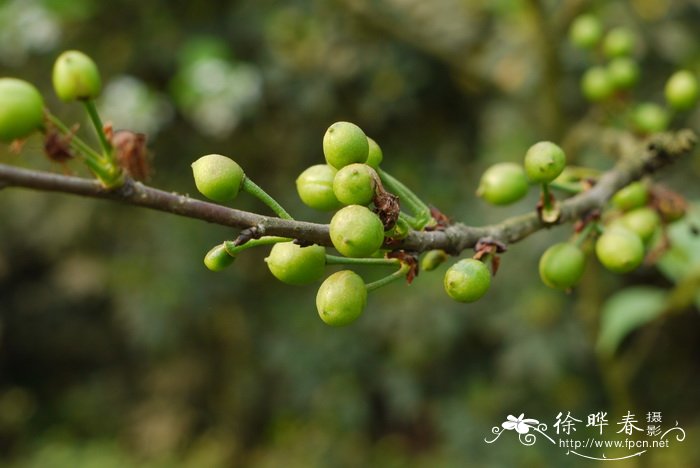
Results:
336 260
414 203
91 109
255 190
546 197
75 141
585 232
568 187
400 273
232 249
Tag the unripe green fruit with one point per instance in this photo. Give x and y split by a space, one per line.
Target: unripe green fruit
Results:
619 42
76 77
296 265
217 177
342 298
619 249
356 231
623 72
682 90
21 109
467 280
544 161
650 118
632 196
345 143
586 31
433 259
217 258
315 188
375 156
503 183
354 184
596 84
642 221
561 266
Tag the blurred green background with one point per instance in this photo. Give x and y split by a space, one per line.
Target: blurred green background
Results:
118 348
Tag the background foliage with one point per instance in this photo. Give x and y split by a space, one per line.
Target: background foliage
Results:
117 346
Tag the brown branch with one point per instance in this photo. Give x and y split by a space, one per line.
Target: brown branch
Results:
642 158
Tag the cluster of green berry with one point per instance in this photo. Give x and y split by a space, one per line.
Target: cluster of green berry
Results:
601 83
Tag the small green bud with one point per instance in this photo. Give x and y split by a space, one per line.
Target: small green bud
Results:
355 184
315 188
217 258
631 196
586 31
217 177
619 249
356 231
503 183
375 156
561 266
342 298
296 265
596 84
433 259
619 42
544 161
76 77
682 90
345 143
467 280
21 109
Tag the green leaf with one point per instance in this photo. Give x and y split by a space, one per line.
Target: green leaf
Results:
626 311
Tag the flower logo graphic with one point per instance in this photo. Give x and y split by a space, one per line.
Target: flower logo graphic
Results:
521 425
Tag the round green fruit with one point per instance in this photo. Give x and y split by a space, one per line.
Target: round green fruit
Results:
642 221
619 249
623 72
503 183
544 161
342 298
561 265
296 265
356 231
586 31
21 109
619 42
650 118
217 177
354 184
596 84
345 143
467 280
375 156
632 196
682 90
76 77
315 188
217 258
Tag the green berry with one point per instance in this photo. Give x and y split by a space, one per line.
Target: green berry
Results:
561 265
642 221
342 298
623 72
315 187
596 84
356 231
433 259
650 118
682 90
21 109
345 143
619 42
586 31
467 280
375 156
217 258
632 196
619 249
217 177
293 264
544 161
76 77
354 184
503 183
